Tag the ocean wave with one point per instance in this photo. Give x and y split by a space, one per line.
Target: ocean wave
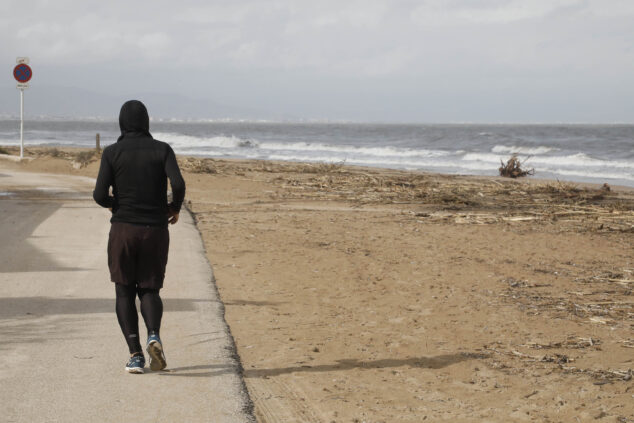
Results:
583 160
221 141
349 149
589 174
44 143
579 160
220 152
505 149
381 162
180 140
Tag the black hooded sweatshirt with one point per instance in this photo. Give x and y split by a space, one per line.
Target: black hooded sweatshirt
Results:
137 167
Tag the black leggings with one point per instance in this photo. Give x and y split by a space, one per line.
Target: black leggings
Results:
151 309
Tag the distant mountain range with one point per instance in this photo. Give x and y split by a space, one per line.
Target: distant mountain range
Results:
64 102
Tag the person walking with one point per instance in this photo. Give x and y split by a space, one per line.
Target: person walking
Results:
137 168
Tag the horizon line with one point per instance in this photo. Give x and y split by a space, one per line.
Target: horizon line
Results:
160 119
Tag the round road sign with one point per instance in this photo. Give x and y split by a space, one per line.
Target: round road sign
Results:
22 73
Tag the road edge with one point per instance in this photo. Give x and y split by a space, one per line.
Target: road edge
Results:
248 407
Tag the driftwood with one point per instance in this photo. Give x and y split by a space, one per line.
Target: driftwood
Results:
513 168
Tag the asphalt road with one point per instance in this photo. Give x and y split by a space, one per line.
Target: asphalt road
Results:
62 355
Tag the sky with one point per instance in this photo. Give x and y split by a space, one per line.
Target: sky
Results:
371 60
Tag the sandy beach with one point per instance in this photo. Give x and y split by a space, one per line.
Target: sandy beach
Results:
374 295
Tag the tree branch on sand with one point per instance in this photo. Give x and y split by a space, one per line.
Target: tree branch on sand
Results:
513 168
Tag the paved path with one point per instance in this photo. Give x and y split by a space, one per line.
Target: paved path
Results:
62 356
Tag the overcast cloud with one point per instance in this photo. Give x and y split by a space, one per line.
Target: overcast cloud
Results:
425 61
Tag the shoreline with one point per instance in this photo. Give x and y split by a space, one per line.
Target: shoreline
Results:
70 152
384 295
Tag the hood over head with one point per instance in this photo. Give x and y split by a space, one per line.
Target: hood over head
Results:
134 118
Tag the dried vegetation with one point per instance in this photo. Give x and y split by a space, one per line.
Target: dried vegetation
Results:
439 198
583 294
596 299
84 158
77 157
429 198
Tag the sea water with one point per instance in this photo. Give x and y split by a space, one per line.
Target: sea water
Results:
583 153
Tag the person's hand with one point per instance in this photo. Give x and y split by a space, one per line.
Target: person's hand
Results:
172 216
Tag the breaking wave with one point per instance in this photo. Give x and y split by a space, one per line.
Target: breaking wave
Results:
574 160
505 149
188 141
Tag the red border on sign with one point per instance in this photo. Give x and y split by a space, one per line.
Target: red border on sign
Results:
22 66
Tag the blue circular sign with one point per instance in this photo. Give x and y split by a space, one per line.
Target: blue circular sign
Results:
22 73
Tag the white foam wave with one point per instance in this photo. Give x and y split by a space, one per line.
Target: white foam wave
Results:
356 151
43 142
574 160
505 149
482 157
208 152
180 140
583 160
590 174
394 163
183 141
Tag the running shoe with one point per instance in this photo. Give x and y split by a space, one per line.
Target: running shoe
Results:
155 351
135 364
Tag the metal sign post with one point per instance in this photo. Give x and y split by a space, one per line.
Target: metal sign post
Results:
21 123
23 74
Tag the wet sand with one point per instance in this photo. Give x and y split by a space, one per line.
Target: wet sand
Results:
375 295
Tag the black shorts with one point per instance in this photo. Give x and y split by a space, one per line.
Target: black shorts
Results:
137 254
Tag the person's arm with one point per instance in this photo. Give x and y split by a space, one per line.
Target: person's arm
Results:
105 179
178 186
